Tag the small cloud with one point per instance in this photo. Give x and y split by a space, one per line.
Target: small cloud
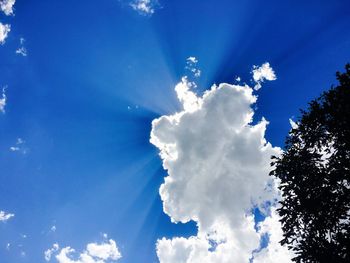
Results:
144 7
192 60
8 246
104 251
94 253
191 65
22 49
262 73
7 6
14 149
5 216
48 253
130 108
293 124
53 229
4 30
3 100
19 146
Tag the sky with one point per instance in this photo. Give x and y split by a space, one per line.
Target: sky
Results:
142 130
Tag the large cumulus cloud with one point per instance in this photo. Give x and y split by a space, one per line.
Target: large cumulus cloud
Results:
218 163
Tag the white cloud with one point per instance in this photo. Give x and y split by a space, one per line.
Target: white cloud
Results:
293 124
191 65
3 101
262 73
218 163
4 30
144 7
22 49
5 216
19 146
104 251
94 253
48 253
192 59
7 6
274 252
14 148
53 229
188 98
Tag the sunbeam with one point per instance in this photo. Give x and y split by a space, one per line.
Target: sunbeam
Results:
127 130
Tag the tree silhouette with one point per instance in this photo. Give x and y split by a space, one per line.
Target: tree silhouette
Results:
314 173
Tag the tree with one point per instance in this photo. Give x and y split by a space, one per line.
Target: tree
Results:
314 174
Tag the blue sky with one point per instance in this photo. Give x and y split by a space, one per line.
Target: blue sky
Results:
80 103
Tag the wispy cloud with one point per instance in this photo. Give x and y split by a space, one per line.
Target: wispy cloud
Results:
191 65
53 228
3 100
144 7
19 146
5 216
22 50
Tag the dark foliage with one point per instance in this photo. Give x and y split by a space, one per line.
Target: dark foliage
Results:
315 179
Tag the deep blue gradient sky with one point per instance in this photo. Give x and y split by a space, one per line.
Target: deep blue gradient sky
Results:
89 167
